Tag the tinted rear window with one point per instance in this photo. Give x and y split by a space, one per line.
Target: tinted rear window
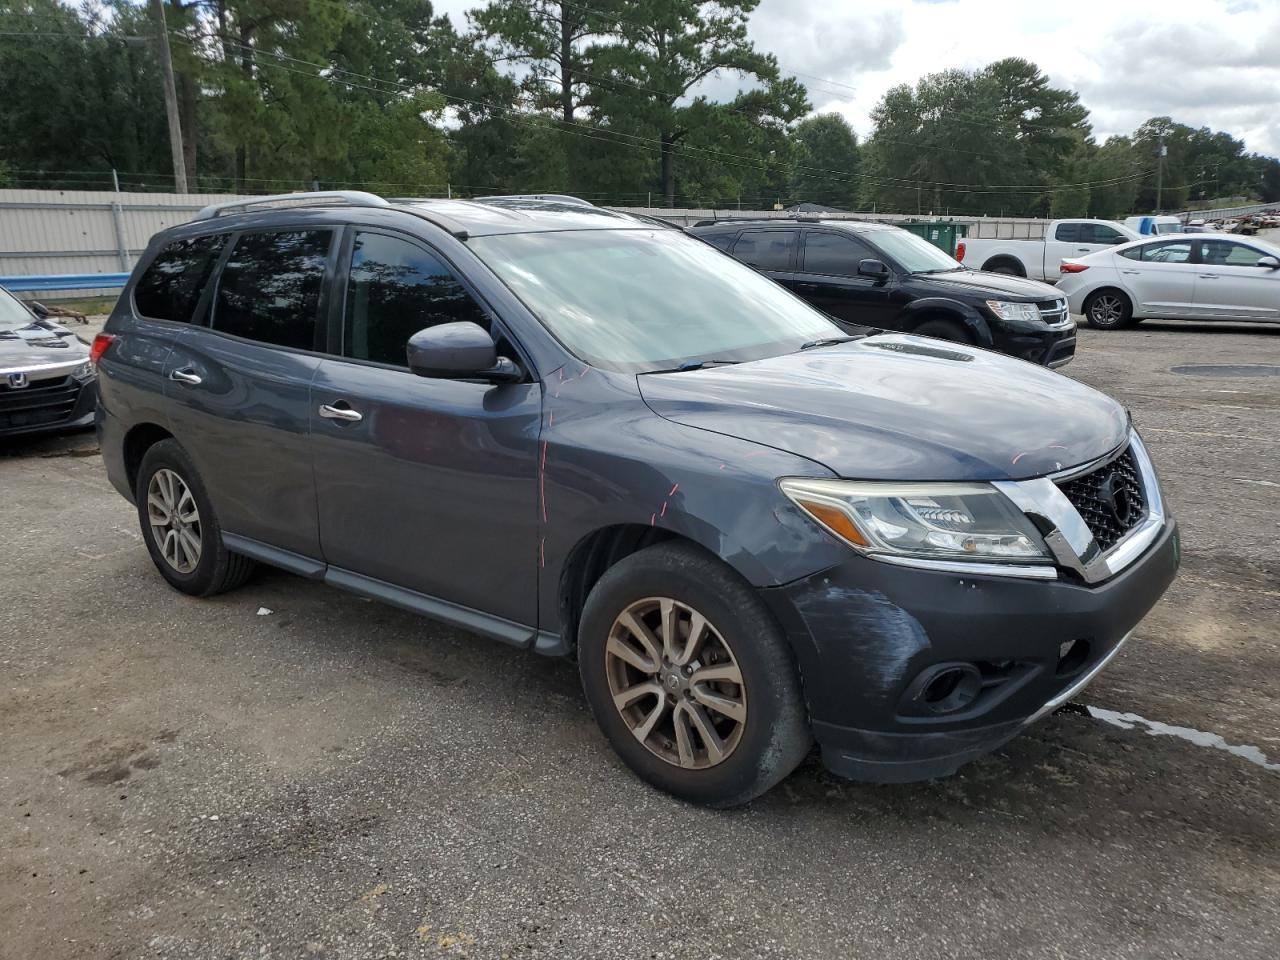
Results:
170 288
766 249
270 287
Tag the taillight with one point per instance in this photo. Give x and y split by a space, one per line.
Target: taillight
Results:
100 344
960 251
1068 267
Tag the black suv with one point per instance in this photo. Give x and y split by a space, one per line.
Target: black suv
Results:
585 434
874 275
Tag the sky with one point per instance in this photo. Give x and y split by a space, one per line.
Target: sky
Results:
1212 63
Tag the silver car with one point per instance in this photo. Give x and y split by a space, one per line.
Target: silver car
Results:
1181 277
46 380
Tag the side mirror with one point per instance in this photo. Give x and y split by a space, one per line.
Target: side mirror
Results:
875 269
458 351
1271 263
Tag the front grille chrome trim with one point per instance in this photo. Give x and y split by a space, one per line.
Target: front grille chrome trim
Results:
1066 534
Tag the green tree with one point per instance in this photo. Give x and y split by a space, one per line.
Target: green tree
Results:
825 166
665 49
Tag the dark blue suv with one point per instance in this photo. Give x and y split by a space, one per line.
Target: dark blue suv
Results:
590 435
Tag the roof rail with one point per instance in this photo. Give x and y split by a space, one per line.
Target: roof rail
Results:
549 197
354 198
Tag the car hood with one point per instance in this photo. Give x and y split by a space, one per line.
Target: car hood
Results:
896 407
999 285
38 343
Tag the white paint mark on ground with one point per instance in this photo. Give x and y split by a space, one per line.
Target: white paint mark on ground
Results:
1131 721
1261 483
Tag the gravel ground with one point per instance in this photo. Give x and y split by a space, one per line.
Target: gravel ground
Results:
335 778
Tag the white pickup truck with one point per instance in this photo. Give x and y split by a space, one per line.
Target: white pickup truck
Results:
1036 249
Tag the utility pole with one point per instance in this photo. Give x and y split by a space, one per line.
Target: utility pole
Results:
170 99
1160 171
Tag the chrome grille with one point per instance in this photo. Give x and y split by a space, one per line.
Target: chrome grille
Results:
1054 312
1110 499
41 402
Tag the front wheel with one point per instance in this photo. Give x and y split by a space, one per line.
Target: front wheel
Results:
179 526
1108 310
690 677
943 330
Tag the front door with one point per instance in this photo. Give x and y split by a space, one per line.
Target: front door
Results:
827 277
427 485
239 386
1230 284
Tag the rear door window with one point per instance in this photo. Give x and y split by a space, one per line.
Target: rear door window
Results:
834 254
766 249
170 287
1068 232
396 288
1174 251
270 287
721 241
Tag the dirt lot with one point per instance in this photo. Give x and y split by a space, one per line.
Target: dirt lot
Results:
185 778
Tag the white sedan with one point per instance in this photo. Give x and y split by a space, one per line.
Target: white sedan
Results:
1181 277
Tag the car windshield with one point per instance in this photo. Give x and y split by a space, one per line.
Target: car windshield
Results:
914 254
646 300
13 315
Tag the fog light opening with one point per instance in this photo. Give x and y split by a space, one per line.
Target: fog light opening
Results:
949 687
1072 656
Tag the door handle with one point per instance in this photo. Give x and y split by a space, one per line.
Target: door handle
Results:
1082 249
331 412
1131 273
1208 276
187 376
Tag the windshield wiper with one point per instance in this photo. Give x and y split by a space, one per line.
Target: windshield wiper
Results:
827 341
694 365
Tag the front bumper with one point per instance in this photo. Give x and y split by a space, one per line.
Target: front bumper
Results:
59 402
1046 346
867 632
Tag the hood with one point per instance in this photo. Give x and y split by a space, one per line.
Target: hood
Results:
39 342
1000 286
900 408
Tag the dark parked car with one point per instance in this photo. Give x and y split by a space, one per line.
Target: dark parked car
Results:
874 275
46 380
586 435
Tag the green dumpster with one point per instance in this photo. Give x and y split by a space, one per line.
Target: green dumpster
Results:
941 235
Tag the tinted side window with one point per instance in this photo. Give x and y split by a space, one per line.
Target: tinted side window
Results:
1070 232
1098 233
395 289
833 254
170 288
1177 251
270 287
766 249
721 241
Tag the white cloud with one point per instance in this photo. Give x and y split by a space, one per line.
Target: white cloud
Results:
1209 63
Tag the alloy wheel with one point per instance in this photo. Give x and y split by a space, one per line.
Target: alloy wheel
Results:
676 683
1106 309
174 520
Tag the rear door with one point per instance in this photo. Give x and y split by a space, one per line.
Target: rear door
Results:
772 251
827 277
239 385
1161 277
1230 284
429 485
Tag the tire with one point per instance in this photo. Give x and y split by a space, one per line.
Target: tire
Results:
1108 310
165 476
943 330
768 733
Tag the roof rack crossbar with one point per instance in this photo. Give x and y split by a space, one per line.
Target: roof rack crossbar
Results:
354 198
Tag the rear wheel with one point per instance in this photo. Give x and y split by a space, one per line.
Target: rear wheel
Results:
179 526
1108 310
1008 268
690 677
943 330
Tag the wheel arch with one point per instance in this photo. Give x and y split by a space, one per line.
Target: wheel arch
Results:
953 311
141 438
992 264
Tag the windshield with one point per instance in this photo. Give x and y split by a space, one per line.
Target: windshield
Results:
13 315
1163 228
913 254
644 300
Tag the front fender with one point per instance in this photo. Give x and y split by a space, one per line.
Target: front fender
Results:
918 311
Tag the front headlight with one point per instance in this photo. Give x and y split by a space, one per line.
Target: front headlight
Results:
1026 312
84 371
935 521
